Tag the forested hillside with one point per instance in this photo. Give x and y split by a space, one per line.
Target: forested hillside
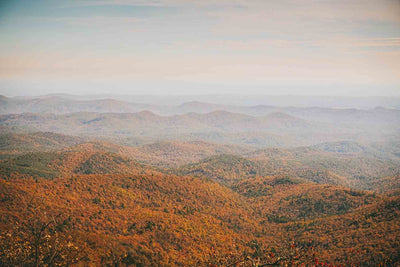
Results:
101 206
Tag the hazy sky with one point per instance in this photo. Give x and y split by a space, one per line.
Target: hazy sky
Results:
313 47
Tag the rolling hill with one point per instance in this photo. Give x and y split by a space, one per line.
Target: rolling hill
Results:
114 209
174 153
355 238
84 160
357 165
14 144
184 219
230 169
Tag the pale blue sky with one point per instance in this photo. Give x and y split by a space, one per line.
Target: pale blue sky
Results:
313 47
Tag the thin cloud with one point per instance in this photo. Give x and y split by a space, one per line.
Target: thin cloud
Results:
261 44
382 10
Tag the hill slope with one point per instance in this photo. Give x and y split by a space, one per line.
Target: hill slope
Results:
114 208
14 144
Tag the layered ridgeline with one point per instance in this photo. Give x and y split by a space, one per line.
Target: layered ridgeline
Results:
196 203
289 127
149 124
261 125
351 164
359 169
169 105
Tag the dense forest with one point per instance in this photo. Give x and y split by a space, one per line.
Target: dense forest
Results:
72 201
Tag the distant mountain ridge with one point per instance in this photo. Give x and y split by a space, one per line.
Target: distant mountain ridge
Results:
279 127
245 100
61 104
148 123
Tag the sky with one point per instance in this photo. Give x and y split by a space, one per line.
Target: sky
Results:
272 47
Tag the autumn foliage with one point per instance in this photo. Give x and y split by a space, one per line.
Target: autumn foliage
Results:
88 206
